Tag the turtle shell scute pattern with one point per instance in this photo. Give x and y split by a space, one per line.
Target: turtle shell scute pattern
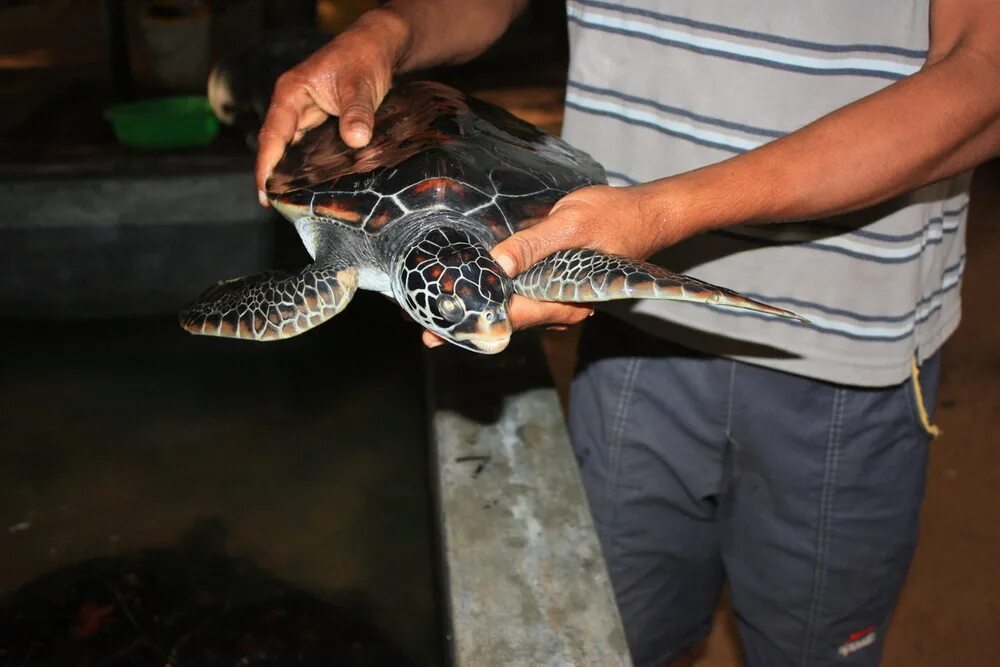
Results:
433 147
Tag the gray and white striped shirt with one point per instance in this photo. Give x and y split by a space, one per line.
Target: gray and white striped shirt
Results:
658 88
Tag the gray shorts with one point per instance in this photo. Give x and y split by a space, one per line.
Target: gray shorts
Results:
802 495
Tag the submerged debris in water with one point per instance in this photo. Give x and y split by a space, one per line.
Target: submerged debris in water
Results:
180 607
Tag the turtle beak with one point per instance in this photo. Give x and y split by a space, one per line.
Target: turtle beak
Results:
487 332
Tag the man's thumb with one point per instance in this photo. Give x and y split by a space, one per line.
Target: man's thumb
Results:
520 251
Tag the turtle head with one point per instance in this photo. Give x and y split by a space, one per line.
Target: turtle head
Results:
450 284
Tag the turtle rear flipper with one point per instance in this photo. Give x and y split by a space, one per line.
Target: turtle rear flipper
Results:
271 305
587 276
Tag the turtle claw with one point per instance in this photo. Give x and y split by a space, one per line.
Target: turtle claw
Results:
272 305
588 276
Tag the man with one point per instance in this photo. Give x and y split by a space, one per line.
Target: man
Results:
787 460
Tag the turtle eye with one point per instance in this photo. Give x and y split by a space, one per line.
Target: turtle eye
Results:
450 307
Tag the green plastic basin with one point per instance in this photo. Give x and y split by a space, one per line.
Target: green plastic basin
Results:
167 122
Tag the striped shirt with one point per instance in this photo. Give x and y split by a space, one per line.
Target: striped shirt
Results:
659 88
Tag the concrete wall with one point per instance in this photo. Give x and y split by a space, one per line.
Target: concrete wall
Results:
133 237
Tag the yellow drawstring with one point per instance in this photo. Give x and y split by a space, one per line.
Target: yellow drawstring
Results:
925 419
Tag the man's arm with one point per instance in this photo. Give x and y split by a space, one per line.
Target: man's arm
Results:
941 121
351 75
451 31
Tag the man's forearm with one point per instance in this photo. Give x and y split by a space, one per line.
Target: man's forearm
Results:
435 32
937 123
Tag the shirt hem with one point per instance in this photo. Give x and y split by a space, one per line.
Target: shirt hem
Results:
808 361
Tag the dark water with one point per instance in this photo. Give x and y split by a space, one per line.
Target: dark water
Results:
278 491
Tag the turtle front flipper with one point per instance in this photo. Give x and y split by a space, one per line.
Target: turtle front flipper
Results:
587 276
271 305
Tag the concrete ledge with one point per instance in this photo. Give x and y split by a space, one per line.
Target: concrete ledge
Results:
525 580
127 238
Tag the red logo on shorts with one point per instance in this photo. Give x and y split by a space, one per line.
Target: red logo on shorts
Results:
858 640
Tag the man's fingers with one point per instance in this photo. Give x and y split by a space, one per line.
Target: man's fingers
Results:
312 116
518 252
347 78
431 339
526 313
275 134
357 114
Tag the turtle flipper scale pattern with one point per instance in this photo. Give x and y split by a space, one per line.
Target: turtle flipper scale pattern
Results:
588 276
271 305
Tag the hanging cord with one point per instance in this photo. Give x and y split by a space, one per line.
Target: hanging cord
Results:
925 419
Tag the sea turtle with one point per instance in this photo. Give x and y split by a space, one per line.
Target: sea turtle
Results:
414 214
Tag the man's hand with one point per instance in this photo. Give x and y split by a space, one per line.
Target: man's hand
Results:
351 75
347 78
633 221
622 221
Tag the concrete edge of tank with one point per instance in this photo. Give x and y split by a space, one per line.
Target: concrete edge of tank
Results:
523 576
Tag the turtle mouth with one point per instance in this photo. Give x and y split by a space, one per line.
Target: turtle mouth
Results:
485 333
487 346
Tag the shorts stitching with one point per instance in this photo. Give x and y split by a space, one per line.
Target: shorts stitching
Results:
729 402
617 438
823 524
